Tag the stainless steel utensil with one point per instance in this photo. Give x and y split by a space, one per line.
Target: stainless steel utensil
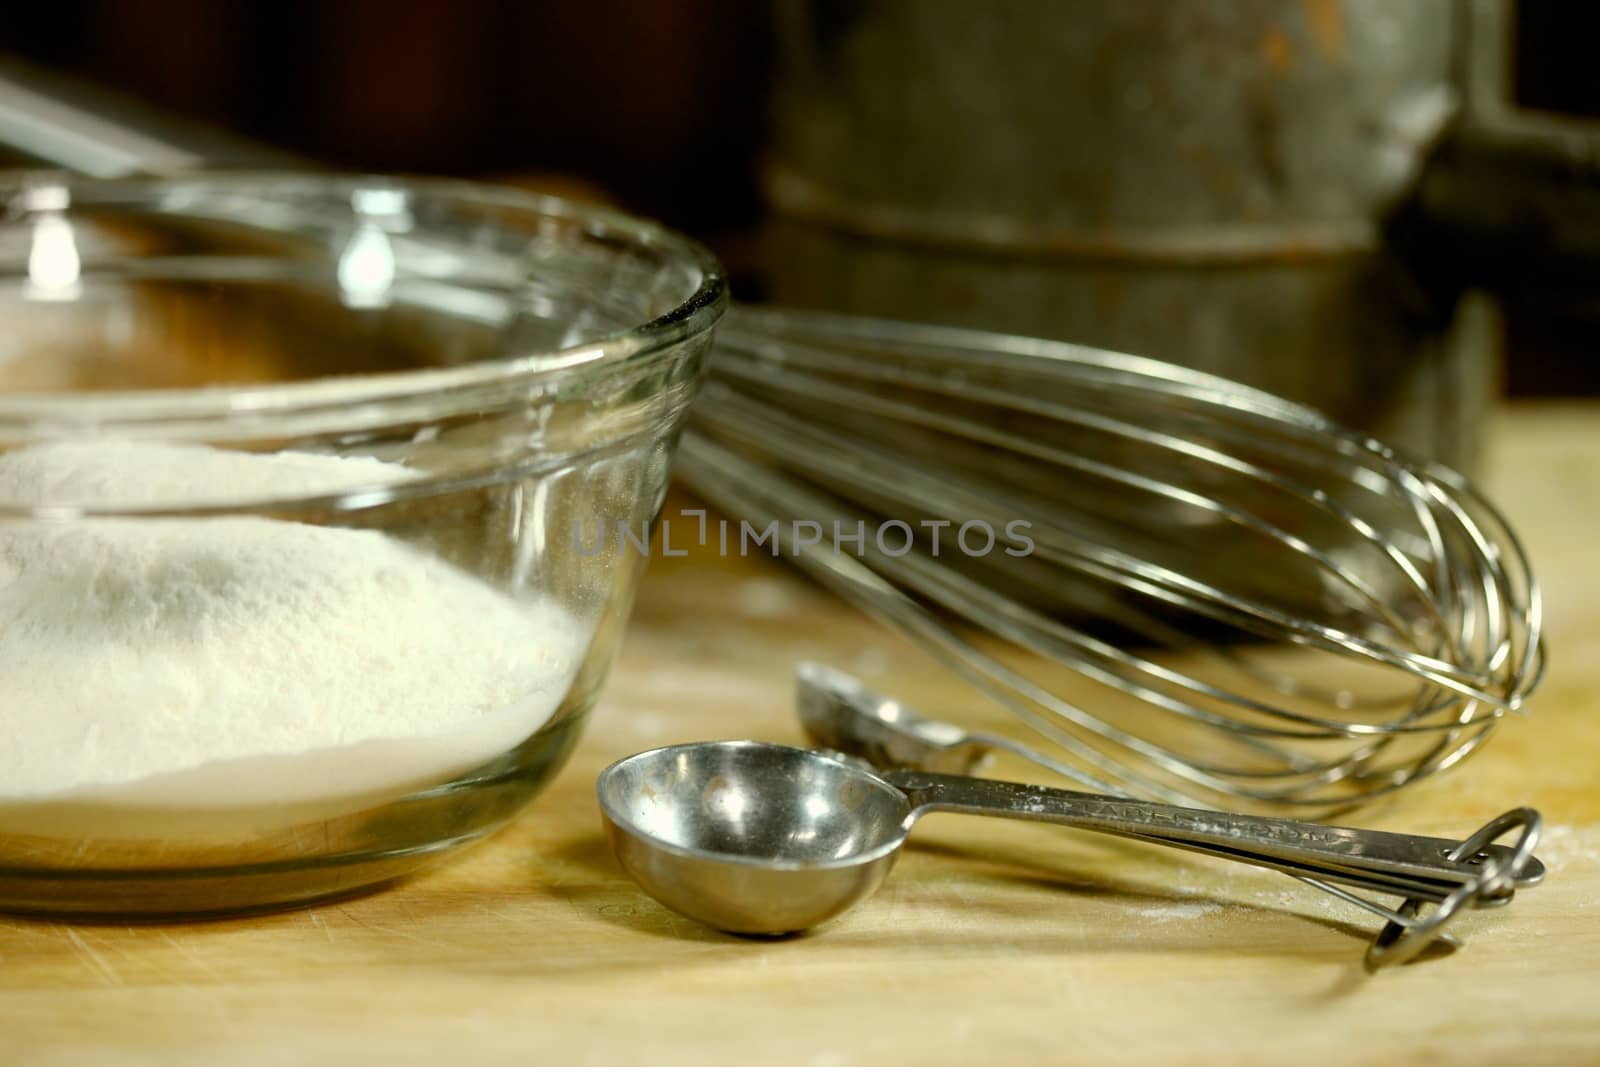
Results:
757 838
840 714
843 716
1191 588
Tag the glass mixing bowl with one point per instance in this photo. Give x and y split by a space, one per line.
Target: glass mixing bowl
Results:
232 678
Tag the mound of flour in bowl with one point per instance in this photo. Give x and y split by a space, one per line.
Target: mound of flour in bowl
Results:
246 660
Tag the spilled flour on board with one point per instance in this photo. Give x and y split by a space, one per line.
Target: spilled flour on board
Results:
1177 911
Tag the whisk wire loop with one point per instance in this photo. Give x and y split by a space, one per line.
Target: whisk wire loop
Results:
1224 597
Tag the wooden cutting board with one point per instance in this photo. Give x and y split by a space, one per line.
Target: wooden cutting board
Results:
992 942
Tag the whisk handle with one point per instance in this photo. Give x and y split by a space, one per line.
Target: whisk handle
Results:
1244 837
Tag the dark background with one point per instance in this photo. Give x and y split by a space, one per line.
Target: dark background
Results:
656 104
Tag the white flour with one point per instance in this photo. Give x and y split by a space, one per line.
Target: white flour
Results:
246 660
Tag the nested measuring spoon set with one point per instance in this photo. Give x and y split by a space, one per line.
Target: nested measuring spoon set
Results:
766 839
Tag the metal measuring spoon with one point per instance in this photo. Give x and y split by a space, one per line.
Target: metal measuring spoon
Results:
844 716
841 714
758 838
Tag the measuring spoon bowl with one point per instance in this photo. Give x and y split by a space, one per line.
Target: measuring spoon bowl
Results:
752 838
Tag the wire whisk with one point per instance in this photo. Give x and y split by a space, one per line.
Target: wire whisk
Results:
1198 592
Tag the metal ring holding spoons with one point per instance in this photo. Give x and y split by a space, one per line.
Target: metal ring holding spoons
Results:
758 838
1403 941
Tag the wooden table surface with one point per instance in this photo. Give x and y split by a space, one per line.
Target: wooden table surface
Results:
991 942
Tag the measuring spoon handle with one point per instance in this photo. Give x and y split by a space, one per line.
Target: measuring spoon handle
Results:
1240 835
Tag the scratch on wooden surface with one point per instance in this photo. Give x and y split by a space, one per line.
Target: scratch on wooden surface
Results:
188 954
570 899
393 931
93 956
315 919
509 917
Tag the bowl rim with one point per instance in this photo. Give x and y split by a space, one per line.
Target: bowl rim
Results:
105 411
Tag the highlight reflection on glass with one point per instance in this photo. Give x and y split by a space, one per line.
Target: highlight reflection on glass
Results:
366 268
53 261
367 264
